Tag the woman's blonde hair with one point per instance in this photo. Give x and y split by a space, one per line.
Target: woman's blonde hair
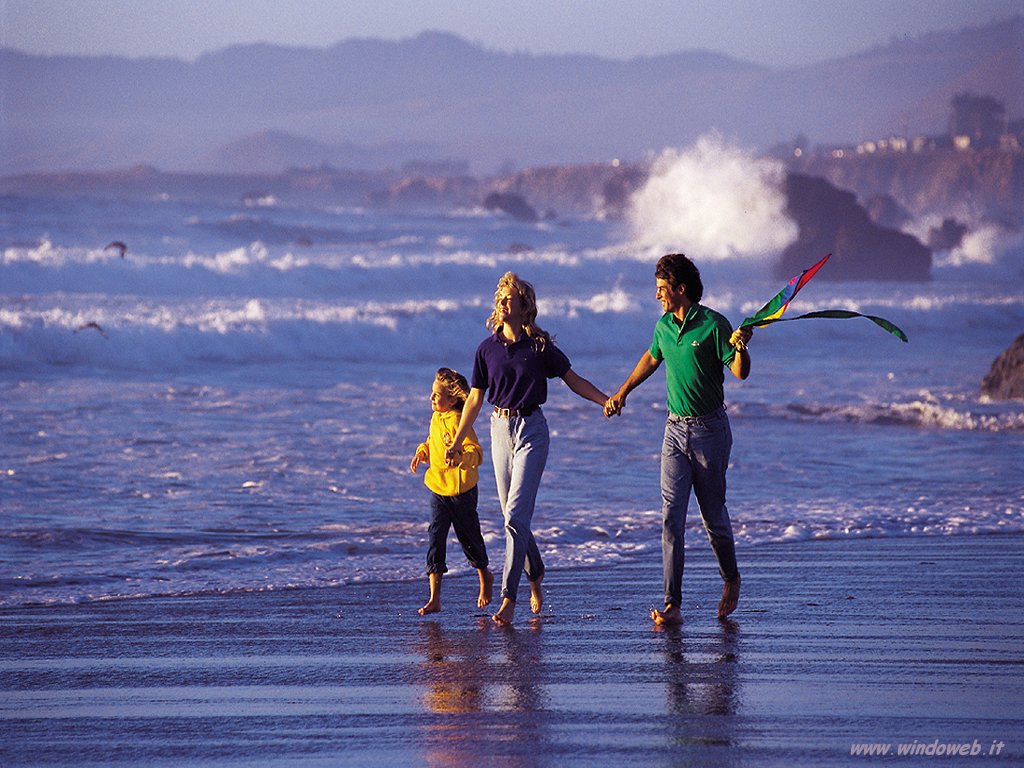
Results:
528 298
455 385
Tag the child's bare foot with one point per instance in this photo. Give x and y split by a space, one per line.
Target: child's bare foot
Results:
670 617
505 613
433 606
486 588
536 596
434 603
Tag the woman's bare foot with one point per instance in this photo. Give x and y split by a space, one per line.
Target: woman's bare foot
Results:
536 596
433 606
670 617
486 588
505 613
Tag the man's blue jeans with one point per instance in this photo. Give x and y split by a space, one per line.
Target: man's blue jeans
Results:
519 451
695 455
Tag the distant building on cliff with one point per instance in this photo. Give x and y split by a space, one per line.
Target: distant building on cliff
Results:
892 144
976 122
1013 139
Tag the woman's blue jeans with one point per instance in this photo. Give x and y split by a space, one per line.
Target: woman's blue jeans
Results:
695 456
519 451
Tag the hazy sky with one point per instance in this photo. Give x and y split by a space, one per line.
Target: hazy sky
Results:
773 32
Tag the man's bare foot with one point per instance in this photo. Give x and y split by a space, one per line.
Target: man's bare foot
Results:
433 606
536 596
486 588
670 617
730 597
505 613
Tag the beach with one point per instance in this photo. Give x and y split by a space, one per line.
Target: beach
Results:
213 547
837 646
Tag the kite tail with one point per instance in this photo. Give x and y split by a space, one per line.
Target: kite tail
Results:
881 322
772 311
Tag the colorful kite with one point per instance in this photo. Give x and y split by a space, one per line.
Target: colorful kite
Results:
772 311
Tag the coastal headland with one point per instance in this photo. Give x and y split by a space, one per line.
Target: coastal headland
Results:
840 205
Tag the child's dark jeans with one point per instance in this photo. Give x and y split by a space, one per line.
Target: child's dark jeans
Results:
458 512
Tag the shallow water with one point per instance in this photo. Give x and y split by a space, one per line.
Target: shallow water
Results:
225 410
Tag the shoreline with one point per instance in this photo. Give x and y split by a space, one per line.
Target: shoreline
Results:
849 642
462 571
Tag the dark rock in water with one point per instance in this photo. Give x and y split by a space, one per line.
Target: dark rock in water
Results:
118 247
1005 380
886 212
831 221
948 236
512 204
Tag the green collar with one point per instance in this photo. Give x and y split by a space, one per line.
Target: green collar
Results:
690 314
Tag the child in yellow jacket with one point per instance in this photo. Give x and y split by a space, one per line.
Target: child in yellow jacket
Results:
453 497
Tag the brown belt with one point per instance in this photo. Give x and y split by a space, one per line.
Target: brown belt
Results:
511 413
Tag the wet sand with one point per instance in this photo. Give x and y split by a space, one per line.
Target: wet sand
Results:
835 643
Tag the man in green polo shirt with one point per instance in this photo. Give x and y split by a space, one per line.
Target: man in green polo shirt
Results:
696 343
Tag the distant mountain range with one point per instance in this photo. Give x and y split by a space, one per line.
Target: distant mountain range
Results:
371 104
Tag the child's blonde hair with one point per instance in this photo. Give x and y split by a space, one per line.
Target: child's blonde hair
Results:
455 385
528 298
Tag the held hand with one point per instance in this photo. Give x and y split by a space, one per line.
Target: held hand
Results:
614 405
740 338
452 456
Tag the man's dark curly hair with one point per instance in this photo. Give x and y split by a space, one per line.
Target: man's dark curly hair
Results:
678 270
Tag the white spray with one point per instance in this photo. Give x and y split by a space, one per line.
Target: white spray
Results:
714 202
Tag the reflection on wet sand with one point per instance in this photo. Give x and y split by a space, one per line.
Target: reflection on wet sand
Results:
519 678
454 663
701 683
473 679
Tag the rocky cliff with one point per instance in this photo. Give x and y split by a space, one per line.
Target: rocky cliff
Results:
987 183
1005 380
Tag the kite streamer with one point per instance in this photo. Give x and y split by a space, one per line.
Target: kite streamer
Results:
772 311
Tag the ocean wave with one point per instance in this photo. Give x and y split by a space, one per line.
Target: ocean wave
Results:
262 271
925 413
143 334
45 253
339 275
985 243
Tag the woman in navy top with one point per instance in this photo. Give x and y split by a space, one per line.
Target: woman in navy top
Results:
512 366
